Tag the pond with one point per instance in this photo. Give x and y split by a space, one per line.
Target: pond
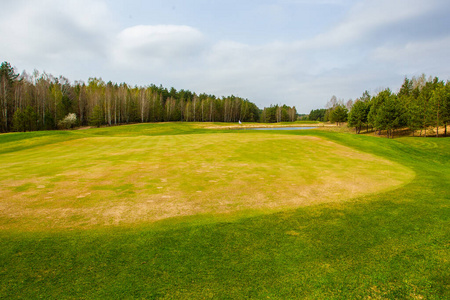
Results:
279 128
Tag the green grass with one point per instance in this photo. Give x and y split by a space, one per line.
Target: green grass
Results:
134 176
392 244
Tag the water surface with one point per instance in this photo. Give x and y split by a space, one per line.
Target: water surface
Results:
280 128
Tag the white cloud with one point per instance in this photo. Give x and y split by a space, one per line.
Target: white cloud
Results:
366 18
236 68
141 45
416 57
35 31
68 38
339 61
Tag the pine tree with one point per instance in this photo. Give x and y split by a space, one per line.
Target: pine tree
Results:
339 114
96 118
390 114
358 115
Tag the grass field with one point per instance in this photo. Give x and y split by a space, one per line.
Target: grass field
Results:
183 211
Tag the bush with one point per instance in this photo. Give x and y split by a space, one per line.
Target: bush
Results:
68 122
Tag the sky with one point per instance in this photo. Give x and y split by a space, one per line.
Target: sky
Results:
294 52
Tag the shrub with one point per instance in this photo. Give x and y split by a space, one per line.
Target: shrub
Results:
68 122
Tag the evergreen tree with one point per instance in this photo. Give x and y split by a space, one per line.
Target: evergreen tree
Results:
96 118
390 114
30 119
358 115
317 115
338 114
19 121
438 105
375 103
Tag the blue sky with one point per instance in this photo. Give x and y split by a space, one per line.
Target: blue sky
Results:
295 52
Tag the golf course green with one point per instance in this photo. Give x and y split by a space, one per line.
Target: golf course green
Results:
199 211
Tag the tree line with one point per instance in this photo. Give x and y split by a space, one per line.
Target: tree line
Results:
422 105
278 113
40 101
336 111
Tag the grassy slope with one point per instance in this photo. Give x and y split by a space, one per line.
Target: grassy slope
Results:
390 245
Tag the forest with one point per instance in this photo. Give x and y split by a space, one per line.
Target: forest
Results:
421 106
40 101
